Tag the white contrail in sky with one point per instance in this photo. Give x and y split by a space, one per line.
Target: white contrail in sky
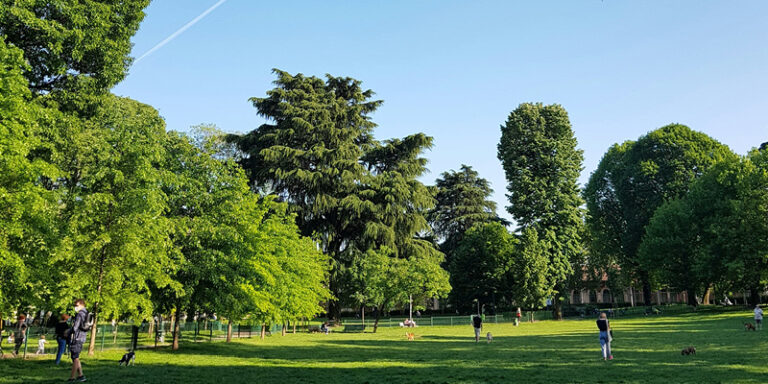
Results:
180 31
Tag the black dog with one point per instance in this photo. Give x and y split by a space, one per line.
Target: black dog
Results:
129 359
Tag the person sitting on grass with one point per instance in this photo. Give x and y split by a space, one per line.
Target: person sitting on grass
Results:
324 328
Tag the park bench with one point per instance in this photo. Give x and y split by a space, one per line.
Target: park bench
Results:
354 328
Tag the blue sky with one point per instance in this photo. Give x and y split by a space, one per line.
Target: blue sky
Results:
455 69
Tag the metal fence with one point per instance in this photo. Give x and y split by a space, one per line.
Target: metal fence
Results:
157 334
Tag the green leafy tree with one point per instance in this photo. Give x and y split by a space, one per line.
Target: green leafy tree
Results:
72 41
529 271
389 280
115 234
542 166
27 210
482 267
671 248
634 179
463 200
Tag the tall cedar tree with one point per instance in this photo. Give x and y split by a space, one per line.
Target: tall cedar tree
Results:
349 192
633 180
463 200
542 166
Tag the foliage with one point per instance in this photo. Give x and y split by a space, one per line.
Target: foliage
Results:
632 181
27 231
482 267
716 233
387 280
542 166
72 41
529 271
350 192
463 199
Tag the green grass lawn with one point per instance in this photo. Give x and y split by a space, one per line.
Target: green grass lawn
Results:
645 350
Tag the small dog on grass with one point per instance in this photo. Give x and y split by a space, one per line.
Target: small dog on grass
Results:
489 336
410 336
749 327
129 359
688 351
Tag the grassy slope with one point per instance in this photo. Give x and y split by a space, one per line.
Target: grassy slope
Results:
646 350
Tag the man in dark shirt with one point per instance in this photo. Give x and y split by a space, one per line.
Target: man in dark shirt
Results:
78 335
19 333
477 323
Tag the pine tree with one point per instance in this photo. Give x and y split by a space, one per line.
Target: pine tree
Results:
463 200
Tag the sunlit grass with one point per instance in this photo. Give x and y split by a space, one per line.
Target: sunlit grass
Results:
647 349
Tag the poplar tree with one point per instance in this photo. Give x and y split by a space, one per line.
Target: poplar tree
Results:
542 165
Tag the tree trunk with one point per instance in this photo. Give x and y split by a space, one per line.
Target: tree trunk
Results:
263 331
229 331
378 316
707 294
176 329
557 307
646 289
691 293
283 332
92 343
754 297
294 327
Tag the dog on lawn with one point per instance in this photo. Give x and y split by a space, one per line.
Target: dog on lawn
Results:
688 351
410 336
129 359
749 327
489 337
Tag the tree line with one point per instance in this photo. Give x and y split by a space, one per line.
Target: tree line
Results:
311 213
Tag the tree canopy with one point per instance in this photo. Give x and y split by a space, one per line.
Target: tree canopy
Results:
542 165
633 180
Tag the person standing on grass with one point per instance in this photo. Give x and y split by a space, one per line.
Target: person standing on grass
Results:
477 323
19 334
41 345
758 317
78 335
62 334
605 336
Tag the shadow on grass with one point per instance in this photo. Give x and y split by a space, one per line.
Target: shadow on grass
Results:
644 353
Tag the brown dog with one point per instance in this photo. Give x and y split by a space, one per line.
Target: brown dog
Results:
689 351
410 336
749 327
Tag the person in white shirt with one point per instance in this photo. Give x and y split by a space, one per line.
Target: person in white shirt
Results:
758 317
41 345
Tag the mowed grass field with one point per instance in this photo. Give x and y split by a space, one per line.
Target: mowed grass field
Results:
646 350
